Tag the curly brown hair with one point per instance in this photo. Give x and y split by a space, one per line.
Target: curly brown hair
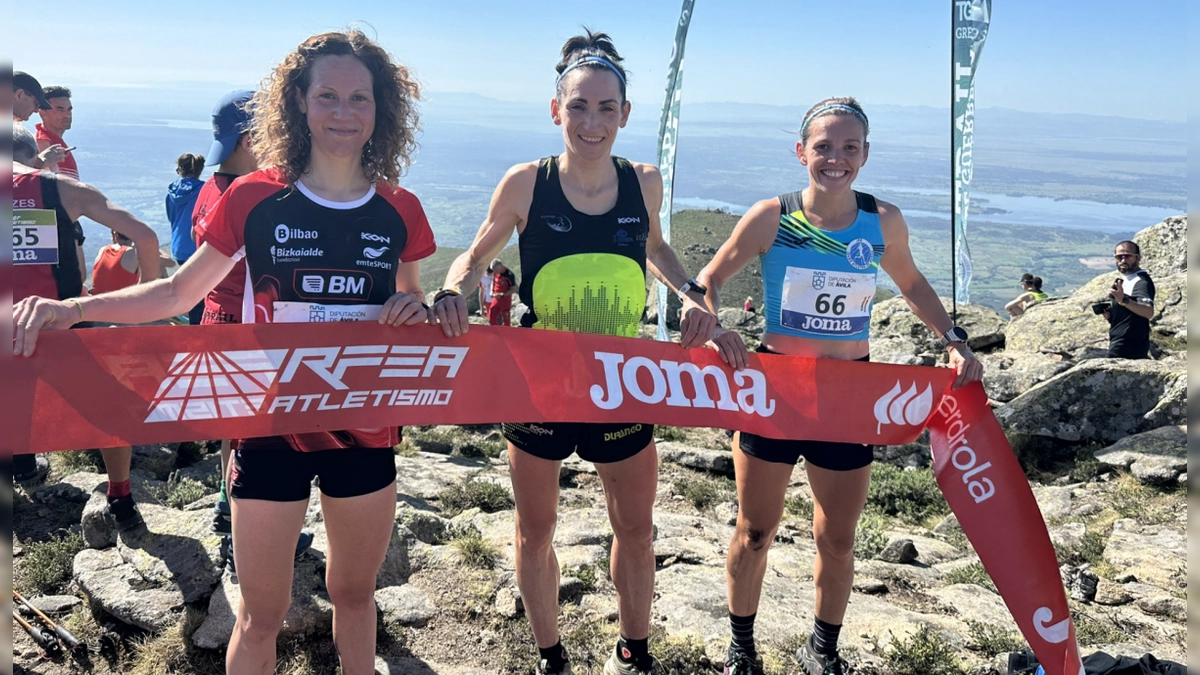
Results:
279 130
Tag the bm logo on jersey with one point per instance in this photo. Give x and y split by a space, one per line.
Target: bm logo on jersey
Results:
332 285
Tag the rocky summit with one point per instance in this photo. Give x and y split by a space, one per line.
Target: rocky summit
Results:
1103 442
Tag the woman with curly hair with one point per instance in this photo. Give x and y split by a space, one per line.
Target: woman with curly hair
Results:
335 125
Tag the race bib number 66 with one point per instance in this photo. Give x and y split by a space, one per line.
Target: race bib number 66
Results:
826 304
35 237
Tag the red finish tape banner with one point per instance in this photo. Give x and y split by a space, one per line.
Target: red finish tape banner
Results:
128 386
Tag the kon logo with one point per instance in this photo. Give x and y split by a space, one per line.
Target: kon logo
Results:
906 408
215 385
666 385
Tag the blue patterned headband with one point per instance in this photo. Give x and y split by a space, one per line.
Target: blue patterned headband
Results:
592 59
840 107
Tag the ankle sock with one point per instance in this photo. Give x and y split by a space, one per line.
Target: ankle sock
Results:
636 652
825 638
555 657
742 628
116 490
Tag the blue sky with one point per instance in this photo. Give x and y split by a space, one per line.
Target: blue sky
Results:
1106 57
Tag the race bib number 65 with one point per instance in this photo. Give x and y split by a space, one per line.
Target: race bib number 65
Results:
35 237
826 304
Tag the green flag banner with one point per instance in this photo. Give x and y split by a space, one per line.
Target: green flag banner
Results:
971 19
668 132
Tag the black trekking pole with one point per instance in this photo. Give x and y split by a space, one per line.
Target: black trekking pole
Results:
44 638
63 634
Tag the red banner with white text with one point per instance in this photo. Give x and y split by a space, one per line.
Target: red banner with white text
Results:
128 386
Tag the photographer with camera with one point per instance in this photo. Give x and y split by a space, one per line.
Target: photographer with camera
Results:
1131 306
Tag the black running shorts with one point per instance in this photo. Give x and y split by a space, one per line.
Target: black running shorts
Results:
596 443
823 454
279 473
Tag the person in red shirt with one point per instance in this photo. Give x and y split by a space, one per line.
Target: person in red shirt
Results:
335 122
56 121
57 157
231 154
116 265
44 265
504 284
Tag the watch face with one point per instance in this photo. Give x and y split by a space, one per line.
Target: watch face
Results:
956 334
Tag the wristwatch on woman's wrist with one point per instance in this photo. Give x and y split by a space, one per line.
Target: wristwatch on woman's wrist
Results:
691 285
954 335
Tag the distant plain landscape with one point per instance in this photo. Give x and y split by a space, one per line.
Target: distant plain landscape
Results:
1048 191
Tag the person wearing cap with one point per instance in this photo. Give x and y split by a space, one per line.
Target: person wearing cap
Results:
231 154
1031 294
504 284
28 97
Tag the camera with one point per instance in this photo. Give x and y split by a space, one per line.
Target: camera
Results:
1101 307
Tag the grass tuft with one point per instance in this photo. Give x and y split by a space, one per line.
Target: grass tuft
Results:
911 494
173 652
925 652
973 573
703 492
871 537
475 550
799 505
179 491
993 640
472 493
47 565
67 463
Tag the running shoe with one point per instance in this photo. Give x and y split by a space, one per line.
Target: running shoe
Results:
302 544
37 475
738 662
125 512
222 522
813 663
616 667
543 668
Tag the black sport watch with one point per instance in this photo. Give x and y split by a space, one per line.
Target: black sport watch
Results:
692 285
955 334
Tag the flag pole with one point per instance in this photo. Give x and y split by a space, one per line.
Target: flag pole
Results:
668 133
953 183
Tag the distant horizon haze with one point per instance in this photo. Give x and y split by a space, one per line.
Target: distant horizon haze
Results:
1103 57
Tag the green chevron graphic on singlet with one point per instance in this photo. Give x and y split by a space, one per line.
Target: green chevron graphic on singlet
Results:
600 293
796 232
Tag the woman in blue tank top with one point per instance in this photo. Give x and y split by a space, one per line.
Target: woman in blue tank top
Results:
822 248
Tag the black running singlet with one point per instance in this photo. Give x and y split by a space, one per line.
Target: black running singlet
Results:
42 224
584 273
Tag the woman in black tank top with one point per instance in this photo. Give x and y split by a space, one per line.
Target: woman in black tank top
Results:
588 228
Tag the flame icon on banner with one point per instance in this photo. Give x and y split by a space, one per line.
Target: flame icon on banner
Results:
1054 633
906 408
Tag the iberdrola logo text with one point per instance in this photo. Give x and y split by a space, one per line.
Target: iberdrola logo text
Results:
666 380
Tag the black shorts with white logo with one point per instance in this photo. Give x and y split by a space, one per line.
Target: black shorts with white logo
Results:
823 454
596 443
279 473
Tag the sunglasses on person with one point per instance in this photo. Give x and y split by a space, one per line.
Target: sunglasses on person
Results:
1123 256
